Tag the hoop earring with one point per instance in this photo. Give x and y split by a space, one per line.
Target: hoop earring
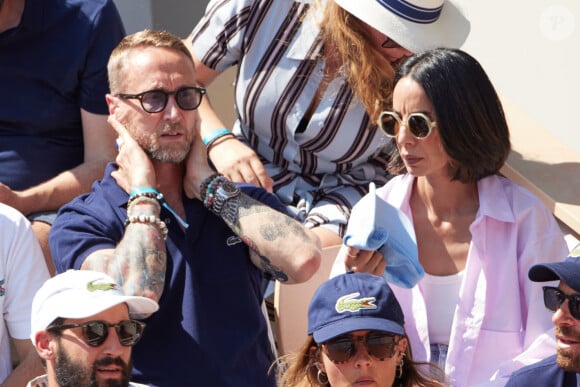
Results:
400 367
322 378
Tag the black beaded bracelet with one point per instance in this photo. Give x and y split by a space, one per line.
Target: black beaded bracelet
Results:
204 184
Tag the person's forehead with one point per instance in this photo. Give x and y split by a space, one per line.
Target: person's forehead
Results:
563 286
409 97
140 56
150 70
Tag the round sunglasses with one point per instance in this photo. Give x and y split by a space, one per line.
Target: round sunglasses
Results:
419 124
379 345
155 101
96 332
554 298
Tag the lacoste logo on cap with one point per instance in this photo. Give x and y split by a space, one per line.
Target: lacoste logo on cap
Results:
92 286
349 303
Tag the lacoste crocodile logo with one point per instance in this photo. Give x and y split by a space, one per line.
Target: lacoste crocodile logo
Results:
349 303
93 287
233 240
2 288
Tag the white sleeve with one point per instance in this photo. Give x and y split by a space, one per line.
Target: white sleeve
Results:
24 270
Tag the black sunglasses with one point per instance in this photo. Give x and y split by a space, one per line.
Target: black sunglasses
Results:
378 344
419 124
96 332
554 298
155 101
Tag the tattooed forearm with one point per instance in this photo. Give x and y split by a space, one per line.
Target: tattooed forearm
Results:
274 271
264 263
279 245
272 225
138 263
280 226
141 259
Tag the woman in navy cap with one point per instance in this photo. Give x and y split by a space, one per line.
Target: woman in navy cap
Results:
356 337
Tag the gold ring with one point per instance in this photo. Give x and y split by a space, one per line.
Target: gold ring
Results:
352 256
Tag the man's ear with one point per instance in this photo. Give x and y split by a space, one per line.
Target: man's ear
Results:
111 103
45 344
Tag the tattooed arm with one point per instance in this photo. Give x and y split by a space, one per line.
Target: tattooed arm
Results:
139 260
279 245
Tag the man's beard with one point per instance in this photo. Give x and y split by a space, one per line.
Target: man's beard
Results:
70 373
154 151
568 359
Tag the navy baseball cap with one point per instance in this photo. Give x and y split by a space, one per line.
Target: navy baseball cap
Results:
354 302
567 270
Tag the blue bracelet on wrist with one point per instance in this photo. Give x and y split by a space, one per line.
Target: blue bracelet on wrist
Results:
142 190
152 192
210 138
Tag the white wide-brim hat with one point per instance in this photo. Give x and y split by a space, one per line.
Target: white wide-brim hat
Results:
417 25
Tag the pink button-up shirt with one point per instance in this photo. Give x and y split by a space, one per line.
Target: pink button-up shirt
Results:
500 322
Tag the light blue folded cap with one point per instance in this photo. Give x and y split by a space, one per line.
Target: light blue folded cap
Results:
375 224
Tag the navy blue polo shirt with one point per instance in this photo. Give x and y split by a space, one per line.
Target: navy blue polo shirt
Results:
545 373
210 329
51 65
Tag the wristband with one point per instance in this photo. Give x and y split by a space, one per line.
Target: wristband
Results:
210 138
144 191
154 194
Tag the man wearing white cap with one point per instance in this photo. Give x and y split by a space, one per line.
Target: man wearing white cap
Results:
82 329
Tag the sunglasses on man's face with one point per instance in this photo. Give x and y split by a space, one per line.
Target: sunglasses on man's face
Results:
419 124
155 101
378 344
554 298
96 332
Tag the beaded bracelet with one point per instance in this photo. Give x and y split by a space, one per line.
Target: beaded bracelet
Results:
204 184
154 194
149 219
143 200
144 192
211 189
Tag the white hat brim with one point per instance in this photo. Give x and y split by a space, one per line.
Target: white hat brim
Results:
450 30
64 305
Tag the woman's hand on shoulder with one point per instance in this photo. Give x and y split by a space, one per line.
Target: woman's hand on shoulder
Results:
239 163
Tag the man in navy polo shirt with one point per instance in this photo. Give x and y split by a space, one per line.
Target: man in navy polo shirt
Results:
54 136
164 225
563 368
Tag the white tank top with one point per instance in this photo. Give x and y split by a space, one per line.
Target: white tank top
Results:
441 295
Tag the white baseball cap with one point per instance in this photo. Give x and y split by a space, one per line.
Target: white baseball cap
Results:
417 25
79 294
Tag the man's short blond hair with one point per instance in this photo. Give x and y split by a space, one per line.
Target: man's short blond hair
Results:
116 66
